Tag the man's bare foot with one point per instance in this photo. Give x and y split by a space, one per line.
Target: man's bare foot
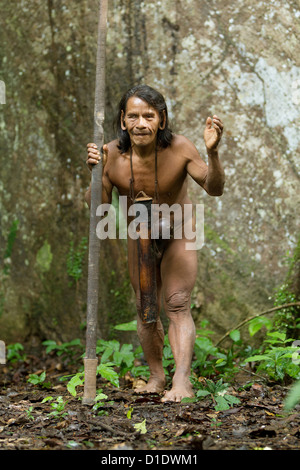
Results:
154 385
178 392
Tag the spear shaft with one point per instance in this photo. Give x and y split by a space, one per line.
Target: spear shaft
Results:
90 360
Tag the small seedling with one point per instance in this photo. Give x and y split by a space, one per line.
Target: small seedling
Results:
217 392
35 379
29 414
14 353
99 403
58 406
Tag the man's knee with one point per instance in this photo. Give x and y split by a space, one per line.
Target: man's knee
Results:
177 302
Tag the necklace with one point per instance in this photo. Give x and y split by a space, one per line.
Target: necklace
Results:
156 195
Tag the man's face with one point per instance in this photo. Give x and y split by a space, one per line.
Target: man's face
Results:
141 121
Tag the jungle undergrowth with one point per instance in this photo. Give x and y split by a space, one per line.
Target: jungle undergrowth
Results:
213 368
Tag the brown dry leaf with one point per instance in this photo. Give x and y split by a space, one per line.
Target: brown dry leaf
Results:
139 383
212 415
61 425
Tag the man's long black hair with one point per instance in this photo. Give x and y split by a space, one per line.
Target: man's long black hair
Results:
155 99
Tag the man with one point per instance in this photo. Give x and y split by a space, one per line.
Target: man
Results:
148 157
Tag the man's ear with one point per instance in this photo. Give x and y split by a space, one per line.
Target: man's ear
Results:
162 124
123 126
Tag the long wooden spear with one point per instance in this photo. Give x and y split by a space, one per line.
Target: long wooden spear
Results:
90 360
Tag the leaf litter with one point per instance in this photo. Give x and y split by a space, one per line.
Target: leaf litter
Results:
37 417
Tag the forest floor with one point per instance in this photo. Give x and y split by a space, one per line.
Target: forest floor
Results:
257 422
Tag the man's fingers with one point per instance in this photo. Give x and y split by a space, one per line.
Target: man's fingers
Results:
218 123
214 122
218 128
94 155
208 122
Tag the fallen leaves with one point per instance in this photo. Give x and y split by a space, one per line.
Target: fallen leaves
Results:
128 420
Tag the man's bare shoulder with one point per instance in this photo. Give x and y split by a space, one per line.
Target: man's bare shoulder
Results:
113 149
183 146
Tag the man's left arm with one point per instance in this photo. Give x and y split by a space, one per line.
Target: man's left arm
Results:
211 177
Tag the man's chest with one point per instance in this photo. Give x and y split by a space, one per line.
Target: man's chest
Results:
138 175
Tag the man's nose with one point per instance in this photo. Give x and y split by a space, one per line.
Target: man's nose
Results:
141 122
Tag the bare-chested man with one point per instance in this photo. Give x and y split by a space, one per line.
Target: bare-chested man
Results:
129 165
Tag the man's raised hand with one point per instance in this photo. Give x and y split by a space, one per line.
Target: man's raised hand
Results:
213 132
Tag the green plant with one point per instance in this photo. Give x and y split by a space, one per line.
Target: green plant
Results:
58 406
106 371
122 357
67 350
217 392
211 360
35 379
276 356
129 412
76 381
256 324
14 353
129 326
29 413
100 403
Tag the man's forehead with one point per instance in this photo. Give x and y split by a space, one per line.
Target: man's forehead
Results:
136 103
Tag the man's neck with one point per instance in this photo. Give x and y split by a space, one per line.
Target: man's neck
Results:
144 152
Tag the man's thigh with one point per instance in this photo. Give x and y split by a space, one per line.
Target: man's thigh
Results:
178 268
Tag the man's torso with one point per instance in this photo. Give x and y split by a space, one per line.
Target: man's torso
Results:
171 173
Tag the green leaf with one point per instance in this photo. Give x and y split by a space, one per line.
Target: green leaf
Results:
50 345
257 323
222 403
37 379
129 413
189 400
107 372
232 400
130 326
277 335
47 399
124 355
235 335
77 380
141 427
257 357
101 396
202 393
